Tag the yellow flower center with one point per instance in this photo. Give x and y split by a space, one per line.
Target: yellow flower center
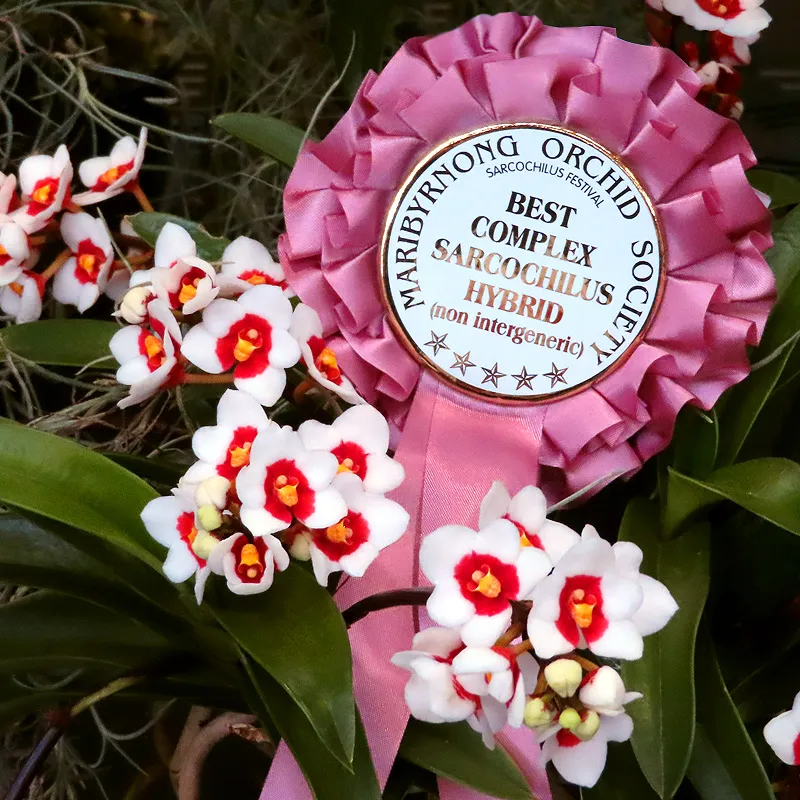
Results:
486 583
154 347
286 491
249 558
43 194
188 291
524 541
240 456
339 533
582 607
17 288
109 176
346 465
326 360
86 262
256 279
246 344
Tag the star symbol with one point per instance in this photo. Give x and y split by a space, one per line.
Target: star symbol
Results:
524 378
492 375
437 343
462 362
556 375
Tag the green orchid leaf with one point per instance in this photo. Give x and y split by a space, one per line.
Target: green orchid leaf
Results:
81 565
62 481
783 190
663 732
49 630
296 633
158 470
724 763
62 342
457 752
767 487
327 777
148 225
272 136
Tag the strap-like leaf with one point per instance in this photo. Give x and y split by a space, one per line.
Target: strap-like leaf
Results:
62 342
148 225
724 763
276 138
456 752
327 777
296 633
663 731
768 487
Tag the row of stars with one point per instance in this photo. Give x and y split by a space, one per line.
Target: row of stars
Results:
493 375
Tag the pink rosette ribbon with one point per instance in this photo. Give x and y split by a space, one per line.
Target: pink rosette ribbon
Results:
639 102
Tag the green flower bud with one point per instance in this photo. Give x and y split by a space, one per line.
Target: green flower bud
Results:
588 726
538 714
209 517
204 543
569 719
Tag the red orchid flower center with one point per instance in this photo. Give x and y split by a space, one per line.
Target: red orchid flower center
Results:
247 343
240 456
340 532
285 489
188 533
351 458
325 360
488 583
44 192
343 538
238 452
797 751
250 559
4 256
526 539
111 175
581 609
725 9
153 348
484 582
89 259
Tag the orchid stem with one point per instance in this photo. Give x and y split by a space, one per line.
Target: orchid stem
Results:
139 194
301 389
133 261
202 377
512 633
59 262
522 647
392 599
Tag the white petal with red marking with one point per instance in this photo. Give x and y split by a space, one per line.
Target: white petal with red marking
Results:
557 539
494 504
582 764
485 630
442 549
284 351
180 564
270 303
657 608
547 640
318 467
479 660
244 254
619 640
448 607
267 387
329 508
532 566
172 244
781 734
200 348
384 474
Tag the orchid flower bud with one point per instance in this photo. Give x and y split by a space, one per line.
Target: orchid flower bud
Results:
564 676
300 548
213 491
588 726
604 691
569 719
203 544
538 713
133 308
209 517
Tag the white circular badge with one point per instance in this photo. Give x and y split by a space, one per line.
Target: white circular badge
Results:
521 261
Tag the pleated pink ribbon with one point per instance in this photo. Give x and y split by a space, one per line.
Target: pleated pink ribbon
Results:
452 448
637 101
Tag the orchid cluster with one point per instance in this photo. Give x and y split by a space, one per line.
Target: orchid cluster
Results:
233 325
516 600
260 493
732 26
38 208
